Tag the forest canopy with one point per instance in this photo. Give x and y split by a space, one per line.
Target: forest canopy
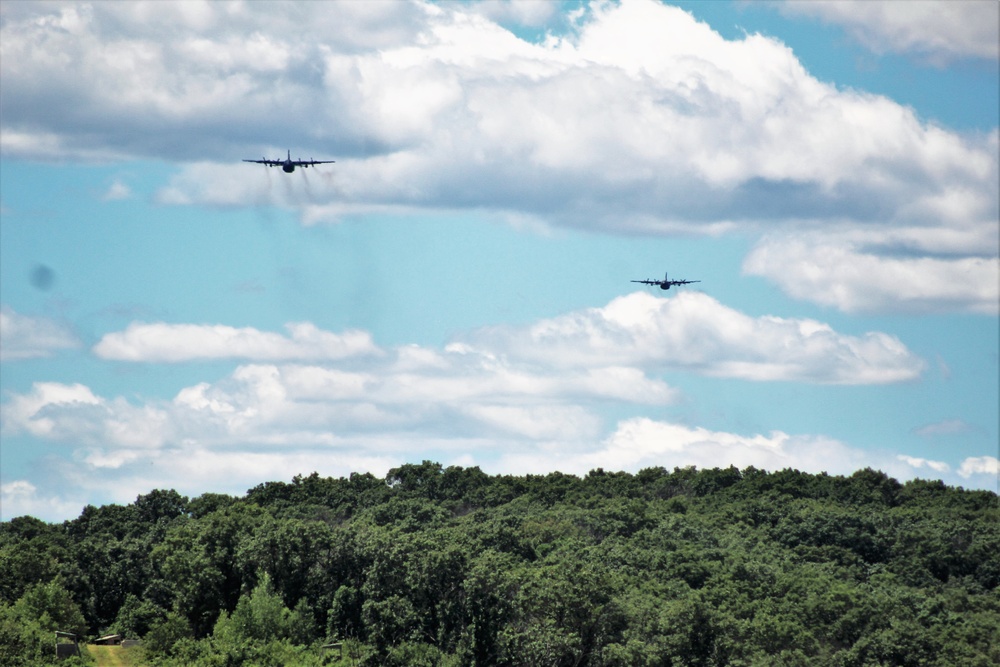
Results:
451 566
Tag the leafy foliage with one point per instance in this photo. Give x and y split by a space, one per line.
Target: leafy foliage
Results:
450 566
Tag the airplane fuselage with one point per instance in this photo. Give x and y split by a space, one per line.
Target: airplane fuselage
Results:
288 167
664 285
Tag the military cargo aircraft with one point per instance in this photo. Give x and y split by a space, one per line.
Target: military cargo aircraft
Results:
288 165
666 283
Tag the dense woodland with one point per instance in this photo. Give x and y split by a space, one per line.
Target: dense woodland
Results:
450 566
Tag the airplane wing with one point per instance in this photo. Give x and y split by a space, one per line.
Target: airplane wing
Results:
269 163
683 282
648 282
310 163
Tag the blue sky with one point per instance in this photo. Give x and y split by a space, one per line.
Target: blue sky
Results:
456 286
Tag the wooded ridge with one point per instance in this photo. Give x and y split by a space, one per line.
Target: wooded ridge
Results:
451 566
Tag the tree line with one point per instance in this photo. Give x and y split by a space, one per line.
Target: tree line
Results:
450 566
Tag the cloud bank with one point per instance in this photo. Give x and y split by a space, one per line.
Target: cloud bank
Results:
843 273
160 342
637 120
694 332
630 444
29 337
550 395
541 383
939 30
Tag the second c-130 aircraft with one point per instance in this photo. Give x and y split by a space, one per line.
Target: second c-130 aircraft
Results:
666 283
288 165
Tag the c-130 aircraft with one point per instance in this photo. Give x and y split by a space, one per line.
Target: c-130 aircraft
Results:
666 283
288 165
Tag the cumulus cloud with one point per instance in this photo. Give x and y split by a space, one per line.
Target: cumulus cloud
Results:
917 462
608 346
72 413
540 388
544 397
545 383
225 72
169 343
29 337
120 473
841 273
694 332
979 465
107 475
643 442
20 497
456 393
639 97
939 30
638 119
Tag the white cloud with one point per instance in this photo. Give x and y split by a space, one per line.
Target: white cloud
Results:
692 331
152 69
161 342
611 347
21 497
28 337
461 395
940 30
643 442
943 428
72 413
525 440
116 192
193 470
521 12
539 383
980 465
638 119
916 462
643 103
106 475
538 398
837 272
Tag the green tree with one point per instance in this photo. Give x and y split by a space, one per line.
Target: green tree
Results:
197 564
293 553
23 641
30 553
160 504
449 566
262 617
136 617
52 607
165 635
